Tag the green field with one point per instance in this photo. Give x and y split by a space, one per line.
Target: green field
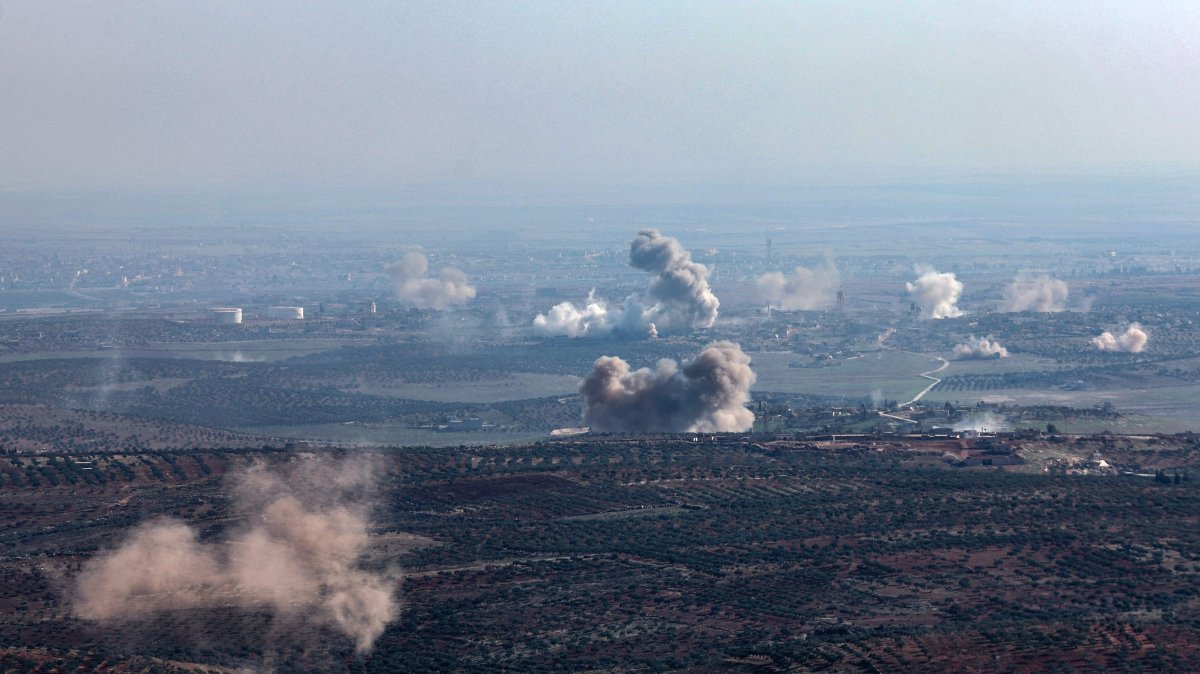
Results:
895 374
1017 362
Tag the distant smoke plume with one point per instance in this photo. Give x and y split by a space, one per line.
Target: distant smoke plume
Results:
707 394
981 423
806 289
677 300
297 555
1035 293
979 348
414 288
936 293
1133 340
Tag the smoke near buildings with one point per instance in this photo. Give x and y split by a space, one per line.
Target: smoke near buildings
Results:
1035 293
708 393
297 555
413 287
936 293
804 290
979 348
677 300
1133 340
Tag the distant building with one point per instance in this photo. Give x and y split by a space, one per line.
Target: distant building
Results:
285 313
226 315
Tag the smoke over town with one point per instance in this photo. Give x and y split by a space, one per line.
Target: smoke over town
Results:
677 300
1133 340
806 289
414 288
936 293
297 555
706 394
1035 293
979 348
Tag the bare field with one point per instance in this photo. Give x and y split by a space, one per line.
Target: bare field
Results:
252 351
363 434
517 386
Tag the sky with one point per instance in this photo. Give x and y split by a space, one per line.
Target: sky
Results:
265 95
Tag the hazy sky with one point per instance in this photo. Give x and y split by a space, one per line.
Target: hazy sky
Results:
281 95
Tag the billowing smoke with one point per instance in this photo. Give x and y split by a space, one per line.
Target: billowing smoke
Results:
707 394
806 289
297 555
1035 293
1133 340
936 293
568 319
986 422
677 300
413 287
979 348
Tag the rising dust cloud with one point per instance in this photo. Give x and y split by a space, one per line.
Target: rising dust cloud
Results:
414 288
977 348
1035 293
805 290
1133 340
707 394
297 555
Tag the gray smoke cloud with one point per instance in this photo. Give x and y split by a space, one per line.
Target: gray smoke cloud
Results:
706 394
678 298
413 287
297 555
1035 293
979 348
1133 340
936 293
806 289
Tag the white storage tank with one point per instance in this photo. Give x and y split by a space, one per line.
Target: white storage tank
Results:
285 313
226 315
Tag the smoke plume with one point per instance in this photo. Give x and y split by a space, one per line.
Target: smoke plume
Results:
297 555
413 287
678 298
567 319
1035 293
806 289
986 422
936 293
706 394
1133 340
979 348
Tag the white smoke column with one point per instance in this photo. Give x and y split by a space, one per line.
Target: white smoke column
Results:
806 289
936 293
1035 293
979 348
707 394
297 555
1133 340
678 299
567 319
413 287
